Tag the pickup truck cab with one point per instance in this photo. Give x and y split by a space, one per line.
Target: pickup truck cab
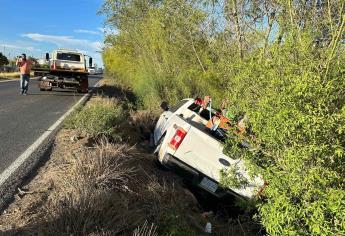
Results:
184 144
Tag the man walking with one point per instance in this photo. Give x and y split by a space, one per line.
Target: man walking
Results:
24 66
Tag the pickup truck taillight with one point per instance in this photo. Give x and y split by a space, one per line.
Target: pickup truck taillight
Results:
177 139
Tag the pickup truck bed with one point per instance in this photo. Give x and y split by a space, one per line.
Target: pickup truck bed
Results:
200 155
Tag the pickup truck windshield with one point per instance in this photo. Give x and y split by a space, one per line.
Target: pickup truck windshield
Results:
177 106
216 132
68 57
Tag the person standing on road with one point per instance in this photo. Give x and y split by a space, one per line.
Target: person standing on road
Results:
25 66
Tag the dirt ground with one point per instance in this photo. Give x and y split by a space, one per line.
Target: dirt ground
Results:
100 187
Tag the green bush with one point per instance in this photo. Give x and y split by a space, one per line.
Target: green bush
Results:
279 62
298 122
99 117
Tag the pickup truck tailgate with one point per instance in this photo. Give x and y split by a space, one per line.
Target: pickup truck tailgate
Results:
204 153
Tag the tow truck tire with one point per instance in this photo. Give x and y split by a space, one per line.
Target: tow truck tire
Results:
84 84
81 91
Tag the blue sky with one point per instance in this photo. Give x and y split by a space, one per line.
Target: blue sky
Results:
39 26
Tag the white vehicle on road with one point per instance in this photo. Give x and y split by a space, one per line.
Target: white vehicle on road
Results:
184 144
91 70
67 70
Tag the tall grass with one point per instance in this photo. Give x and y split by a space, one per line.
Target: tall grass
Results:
85 201
11 75
110 189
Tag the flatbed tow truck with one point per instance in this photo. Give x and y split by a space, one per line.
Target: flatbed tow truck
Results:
66 70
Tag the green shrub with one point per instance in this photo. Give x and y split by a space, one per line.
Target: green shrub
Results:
296 112
99 117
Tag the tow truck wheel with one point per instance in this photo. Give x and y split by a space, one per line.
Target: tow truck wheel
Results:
81 91
83 87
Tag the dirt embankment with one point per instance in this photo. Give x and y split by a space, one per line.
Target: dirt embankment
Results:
111 186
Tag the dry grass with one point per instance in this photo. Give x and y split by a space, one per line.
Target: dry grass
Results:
92 194
146 230
144 121
11 75
106 189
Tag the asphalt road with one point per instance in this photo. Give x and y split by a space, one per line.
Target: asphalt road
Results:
23 119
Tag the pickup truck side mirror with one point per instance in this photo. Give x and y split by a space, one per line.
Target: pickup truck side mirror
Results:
90 62
47 57
165 106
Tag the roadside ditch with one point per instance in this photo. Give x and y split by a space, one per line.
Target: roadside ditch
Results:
100 178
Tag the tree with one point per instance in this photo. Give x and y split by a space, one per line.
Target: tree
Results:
33 60
3 60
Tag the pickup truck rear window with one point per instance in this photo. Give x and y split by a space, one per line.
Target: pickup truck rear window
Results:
219 133
204 113
68 57
178 105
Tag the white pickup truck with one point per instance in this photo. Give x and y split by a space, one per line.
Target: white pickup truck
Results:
185 144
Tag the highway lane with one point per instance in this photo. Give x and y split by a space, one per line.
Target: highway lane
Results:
24 118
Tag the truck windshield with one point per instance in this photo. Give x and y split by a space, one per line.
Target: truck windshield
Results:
68 57
211 128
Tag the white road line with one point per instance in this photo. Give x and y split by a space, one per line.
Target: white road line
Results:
22 158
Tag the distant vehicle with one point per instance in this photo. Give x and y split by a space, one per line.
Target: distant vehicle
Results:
91 70
185 143
99 71
66 69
